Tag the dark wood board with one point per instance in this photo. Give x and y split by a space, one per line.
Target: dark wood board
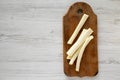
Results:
89 62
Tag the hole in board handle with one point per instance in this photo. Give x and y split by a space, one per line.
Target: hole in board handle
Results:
80 11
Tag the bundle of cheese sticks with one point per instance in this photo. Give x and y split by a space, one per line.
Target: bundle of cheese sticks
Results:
77 49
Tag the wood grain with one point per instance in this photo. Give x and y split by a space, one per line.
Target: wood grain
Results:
89 62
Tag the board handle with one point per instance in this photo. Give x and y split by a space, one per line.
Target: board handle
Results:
80 8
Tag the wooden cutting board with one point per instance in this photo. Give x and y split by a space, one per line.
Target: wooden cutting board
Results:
89 62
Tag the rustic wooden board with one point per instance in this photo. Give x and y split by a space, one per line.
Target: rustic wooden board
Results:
89 62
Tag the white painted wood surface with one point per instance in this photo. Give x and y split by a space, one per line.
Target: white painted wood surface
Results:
31 39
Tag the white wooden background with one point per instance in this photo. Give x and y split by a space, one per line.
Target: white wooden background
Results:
31 39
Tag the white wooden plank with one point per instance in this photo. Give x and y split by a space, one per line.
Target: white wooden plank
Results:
31 39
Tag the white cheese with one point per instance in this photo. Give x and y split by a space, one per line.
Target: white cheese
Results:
69 57
81 52
79 42
74 56
79 26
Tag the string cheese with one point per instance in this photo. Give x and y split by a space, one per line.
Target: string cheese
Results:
74 56
81 52
79 42
69 57
72 59
79 26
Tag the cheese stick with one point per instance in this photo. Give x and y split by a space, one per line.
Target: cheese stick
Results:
69 57
79 42
79 26
81 52
74 56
